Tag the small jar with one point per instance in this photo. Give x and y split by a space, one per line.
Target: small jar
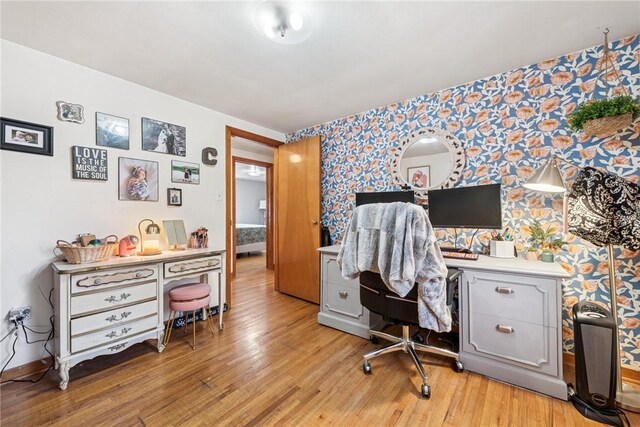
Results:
547 257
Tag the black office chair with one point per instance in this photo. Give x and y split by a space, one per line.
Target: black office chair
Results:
379 299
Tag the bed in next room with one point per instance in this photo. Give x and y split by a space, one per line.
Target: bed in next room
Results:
250 238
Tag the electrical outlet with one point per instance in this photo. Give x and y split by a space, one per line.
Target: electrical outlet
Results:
23 313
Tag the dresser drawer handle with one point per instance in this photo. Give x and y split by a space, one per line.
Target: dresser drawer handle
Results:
182 268
505 329
117 347
343 294
114 334
97 281
113 317
503 290
113 298
138 275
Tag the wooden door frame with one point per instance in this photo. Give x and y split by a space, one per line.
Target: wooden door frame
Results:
268 213
229 133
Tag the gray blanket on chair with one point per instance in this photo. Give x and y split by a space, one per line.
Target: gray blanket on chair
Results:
397 241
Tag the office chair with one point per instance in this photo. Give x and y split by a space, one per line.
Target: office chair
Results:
379 299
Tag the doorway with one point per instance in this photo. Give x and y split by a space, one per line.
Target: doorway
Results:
237 159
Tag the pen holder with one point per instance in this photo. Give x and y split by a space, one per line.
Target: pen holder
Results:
501 248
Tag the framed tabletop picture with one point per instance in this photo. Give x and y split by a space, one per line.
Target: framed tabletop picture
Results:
16 135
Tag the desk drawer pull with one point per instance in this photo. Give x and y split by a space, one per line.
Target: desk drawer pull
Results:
503 290
113 298
117 347
505 329
114 334
123 316
97 282
343 294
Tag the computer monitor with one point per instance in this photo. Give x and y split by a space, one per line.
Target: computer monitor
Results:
466 207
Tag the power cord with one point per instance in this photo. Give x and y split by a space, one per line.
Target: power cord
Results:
50 335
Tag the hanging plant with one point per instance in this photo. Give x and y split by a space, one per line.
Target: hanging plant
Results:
604 117
599 116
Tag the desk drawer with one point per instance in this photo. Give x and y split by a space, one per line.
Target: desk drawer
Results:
523 344
101 301
331 272
343 301
180 268
113 318
89 282
526 299
117 333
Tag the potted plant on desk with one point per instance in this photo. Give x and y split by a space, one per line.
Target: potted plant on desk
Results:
543 239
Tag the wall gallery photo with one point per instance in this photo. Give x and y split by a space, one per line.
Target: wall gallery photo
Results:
164 137
112 131
184 172
138 180
32 138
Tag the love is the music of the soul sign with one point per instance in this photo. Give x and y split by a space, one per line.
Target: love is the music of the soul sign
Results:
89 163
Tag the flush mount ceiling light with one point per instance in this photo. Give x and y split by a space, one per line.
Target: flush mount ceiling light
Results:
284 22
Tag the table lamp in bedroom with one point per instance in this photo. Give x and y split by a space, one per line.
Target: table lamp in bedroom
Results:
150 238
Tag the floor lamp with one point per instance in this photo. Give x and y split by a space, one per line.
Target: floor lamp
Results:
548 179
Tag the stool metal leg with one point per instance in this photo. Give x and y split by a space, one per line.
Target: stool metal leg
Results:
210 320
193 326
167 332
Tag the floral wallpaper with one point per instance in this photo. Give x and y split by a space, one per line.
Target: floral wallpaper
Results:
509 124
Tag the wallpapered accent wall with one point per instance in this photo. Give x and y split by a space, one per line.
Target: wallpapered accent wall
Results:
509 123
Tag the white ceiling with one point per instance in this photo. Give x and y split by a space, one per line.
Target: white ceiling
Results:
360 55
242 172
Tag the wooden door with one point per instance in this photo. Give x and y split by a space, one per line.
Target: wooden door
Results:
298 219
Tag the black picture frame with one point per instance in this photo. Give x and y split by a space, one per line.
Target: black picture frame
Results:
174 197
16 135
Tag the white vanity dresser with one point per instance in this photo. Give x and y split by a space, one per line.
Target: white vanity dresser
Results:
104 307
510 317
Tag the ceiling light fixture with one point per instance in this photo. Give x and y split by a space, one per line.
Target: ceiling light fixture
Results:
254 171
284 22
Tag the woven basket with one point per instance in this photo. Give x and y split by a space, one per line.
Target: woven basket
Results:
83 255
607 126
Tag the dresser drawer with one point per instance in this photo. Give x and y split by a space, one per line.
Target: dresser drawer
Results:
523 344
101 301
332 274
343 301
113 318
89 282
117 333
179 268
526 299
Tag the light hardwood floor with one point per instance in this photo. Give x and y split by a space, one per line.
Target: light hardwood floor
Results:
273 364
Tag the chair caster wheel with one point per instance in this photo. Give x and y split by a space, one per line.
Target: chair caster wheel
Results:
366 368
374 340
457 366
418 338
425 391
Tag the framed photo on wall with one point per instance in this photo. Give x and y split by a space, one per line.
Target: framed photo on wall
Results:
419 176
112 131
184 172
174 197
164 137
137 180
16 135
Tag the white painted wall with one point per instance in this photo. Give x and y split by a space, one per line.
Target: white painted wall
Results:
249 155
41 203
248 196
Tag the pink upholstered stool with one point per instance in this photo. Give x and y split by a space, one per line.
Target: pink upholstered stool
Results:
187 298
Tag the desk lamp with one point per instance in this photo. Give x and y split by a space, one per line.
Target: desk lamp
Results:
150 238
548 179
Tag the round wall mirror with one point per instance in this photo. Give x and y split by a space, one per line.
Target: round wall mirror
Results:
429 158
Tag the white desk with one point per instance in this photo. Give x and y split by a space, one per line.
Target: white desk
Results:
105 307
510 317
